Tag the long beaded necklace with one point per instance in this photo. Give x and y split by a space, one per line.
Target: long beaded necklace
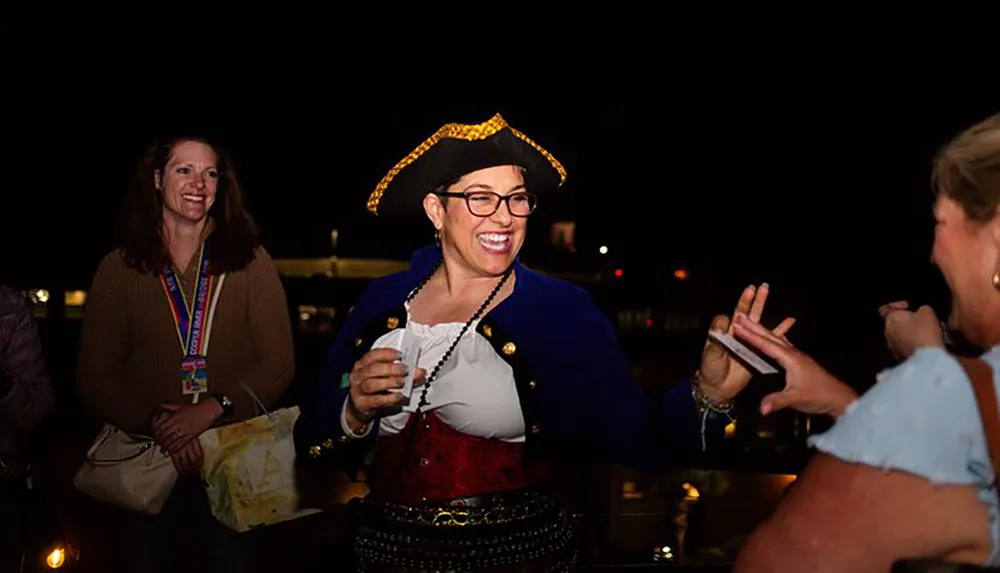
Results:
482 309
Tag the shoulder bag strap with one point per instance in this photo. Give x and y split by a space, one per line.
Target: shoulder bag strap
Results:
981 375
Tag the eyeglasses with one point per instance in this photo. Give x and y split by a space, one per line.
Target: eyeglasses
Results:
486 203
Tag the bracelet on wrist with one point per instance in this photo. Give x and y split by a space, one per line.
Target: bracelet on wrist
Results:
703 402
365 422
357 413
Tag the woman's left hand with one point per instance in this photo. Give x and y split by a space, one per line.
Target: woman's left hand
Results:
905 331
721 377
185 423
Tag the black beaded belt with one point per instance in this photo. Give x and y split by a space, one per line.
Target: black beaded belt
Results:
507 532
507 507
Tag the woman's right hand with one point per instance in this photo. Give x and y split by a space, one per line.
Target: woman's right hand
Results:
809 388
373 380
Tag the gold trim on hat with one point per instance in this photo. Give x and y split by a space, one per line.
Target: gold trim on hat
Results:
473 132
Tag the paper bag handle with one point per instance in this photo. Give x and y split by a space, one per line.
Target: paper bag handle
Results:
259 405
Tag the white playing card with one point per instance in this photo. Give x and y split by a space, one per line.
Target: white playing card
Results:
744 352
408 344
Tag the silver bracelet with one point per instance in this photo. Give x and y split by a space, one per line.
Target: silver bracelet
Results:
704 403
705 406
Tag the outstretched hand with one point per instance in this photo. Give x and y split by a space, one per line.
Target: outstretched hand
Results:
721 376
809 388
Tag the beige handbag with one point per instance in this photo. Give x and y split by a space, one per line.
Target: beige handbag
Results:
127 471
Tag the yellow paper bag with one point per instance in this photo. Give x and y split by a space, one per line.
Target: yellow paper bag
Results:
249 471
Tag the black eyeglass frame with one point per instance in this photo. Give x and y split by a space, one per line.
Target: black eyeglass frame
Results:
501 199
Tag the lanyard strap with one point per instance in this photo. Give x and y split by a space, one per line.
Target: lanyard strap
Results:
191 319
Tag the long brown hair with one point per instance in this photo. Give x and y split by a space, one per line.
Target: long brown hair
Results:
234 239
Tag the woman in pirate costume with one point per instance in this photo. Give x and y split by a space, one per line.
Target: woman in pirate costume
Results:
514 368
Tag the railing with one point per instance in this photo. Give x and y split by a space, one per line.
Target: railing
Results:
334 267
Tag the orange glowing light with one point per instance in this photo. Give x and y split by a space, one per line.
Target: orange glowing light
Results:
692 492
56 558
731 429
681 274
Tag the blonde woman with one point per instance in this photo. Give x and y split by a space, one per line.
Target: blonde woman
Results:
906 471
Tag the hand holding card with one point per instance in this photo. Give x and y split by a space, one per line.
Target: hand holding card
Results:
722 373
743 351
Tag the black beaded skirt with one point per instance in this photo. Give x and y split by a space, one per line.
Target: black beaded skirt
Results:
524 531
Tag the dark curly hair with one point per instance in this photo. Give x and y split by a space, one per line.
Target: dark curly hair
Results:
233 241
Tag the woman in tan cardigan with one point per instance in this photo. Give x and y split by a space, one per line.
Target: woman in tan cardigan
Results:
141 354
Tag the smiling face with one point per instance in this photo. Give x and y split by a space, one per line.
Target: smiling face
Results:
967 252
483 246
189 182
966 178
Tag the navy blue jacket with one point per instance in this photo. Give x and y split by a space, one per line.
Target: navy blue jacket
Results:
573 380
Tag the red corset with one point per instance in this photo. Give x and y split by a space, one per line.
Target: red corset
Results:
430 461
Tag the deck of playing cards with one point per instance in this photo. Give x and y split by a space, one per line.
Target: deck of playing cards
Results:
744 352
408 344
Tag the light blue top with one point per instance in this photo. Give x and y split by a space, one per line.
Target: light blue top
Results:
922 418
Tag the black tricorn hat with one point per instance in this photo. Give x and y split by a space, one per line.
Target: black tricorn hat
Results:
458 149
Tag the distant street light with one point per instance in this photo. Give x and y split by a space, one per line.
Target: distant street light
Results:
603 250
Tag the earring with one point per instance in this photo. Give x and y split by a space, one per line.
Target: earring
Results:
437 238
996 280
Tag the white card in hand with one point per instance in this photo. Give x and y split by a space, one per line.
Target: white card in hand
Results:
743 351
408 344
